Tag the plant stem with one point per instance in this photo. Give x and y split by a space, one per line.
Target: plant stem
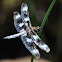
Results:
44 20
47 14
32 58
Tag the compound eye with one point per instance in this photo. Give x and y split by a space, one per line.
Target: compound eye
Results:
39 29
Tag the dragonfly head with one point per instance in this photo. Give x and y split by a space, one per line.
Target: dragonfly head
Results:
38 29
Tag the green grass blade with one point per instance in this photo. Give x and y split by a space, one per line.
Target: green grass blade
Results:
32 58
47 14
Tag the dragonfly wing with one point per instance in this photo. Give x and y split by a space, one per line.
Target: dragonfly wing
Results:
18 22
22 22
28 42
25 15
39 42
15 35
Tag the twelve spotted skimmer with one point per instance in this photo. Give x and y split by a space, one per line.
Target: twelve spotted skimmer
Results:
27 33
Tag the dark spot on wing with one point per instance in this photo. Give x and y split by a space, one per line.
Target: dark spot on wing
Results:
33 39
16 13
31 44
40 41
36 31
24 26
25 15
28 35
28 23
20 21
32 33
23 4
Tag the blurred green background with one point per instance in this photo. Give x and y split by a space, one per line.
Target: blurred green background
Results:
51 34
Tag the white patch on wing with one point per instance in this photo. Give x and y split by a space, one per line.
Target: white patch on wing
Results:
21 24
44 47
22 30
25 8
26 19
18 16
36 53
26 24
29 40
35 37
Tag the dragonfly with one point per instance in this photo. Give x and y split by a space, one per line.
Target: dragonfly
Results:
27 33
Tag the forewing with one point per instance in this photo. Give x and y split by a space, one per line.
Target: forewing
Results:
18 22
25 15
39 42
28 42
